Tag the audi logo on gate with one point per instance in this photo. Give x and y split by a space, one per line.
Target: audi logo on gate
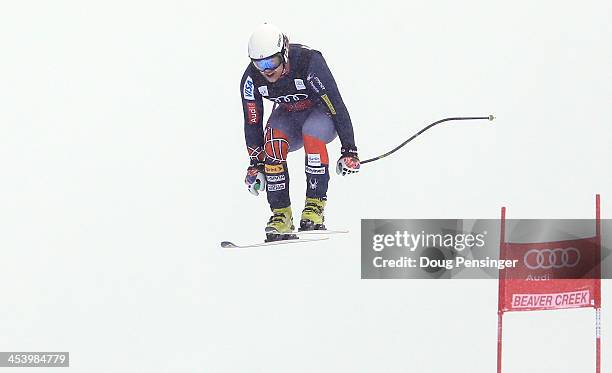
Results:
289 98
551 258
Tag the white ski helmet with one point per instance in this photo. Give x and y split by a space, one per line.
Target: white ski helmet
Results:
266 41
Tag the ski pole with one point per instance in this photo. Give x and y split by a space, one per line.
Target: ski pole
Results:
490 117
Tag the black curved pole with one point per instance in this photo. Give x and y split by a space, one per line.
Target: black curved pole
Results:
490 117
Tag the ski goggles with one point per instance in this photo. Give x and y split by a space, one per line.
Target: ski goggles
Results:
269 63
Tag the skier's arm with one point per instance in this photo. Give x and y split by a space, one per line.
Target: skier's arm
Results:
321 82
252 108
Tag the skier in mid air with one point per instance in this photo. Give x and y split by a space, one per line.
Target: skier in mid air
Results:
308 111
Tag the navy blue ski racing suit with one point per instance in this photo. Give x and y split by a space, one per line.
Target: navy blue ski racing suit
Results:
308 112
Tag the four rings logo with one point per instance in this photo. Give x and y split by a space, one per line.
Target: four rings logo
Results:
552 258
289 98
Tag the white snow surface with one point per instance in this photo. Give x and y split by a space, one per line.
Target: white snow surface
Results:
122 158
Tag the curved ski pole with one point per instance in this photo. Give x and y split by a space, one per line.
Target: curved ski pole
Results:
490 117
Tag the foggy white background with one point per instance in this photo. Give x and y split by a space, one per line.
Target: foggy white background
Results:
122 158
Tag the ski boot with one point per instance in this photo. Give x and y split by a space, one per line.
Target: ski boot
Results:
280 225
312 215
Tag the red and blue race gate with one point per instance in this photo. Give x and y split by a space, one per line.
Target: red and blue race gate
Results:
568 275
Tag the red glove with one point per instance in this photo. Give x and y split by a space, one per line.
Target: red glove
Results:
348 162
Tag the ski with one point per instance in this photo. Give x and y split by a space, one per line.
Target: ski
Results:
231 245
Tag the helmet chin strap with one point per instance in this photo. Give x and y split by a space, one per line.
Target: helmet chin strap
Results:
286 68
